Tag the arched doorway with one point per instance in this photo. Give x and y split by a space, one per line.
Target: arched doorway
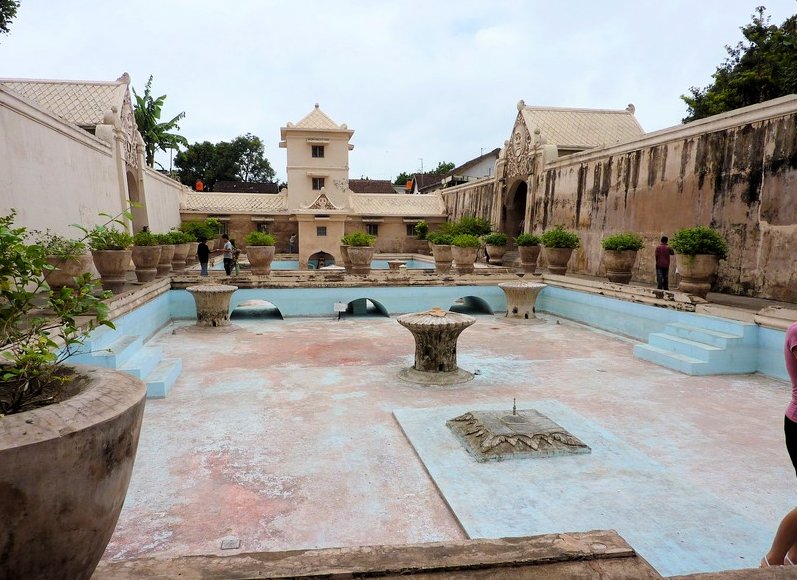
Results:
514 210
319 260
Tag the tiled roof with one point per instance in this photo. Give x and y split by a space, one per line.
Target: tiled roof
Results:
371 186
427 180
244 187
468 164
398 204
582 128
317 119
80 102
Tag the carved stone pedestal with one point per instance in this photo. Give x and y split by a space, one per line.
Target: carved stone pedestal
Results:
520 298
436 332
212 303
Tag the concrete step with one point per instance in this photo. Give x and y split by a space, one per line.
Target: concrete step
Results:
143 362
111 356
698 350
160 380
713 337
671 360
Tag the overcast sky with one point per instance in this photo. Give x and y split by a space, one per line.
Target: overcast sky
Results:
415 79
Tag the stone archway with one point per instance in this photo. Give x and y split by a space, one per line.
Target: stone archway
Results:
138 209
320 259
514 209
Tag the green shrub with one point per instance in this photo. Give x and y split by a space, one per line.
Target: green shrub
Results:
359 239
177 237
164 239
699 240
527 240
467 225
259 239
559 237
55 245
495 239
421 230
145 239
439 238
107 237
623 241
200 230
466 241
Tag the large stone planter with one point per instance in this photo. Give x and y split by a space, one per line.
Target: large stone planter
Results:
179 257
521 298
619 265
464 258
360 257
190 258
442 258
528 258
495 254
697 273
67 269
557 259
260 258
112 266
165 262
344 254
145 259
64 472
212 303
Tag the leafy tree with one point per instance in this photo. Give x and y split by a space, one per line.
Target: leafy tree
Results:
443 167
156 135
8 9
762 68
402 178
239 160
253 165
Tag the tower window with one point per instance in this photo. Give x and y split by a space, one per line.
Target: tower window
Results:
372 229
318 150
318 183
321 231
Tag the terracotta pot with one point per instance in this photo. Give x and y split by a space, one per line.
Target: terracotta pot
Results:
180 253
190 258
344 253
145 259
697 273
619 265
66 270
112 266
528 258
557 259
361 257
495 254
64 472
165 263
442 258
464 259
260 258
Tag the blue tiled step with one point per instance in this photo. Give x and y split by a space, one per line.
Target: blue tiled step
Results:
143 362
162 377
713 337
112 356
666 358
698 350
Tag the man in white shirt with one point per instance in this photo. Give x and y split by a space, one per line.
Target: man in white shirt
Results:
227 254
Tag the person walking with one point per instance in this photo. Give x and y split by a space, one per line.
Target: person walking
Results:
203 255
663 253
227 254
292 244
784 545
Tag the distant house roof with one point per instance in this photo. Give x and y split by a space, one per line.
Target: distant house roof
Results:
428 181
371 186
582 128
82 103
245 187
473 162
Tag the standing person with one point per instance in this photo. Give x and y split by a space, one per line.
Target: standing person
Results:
203 255
292 244
784 546
227 254
663 253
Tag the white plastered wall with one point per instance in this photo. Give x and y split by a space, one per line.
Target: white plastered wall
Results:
161 201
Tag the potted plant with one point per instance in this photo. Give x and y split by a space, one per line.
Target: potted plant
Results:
182 244
702 248
260 251
496 247
69 434
198 230
68 258
464 248
441 250
559 245
146 253
529 249
619 255
344 253
361 252
166 242
110 249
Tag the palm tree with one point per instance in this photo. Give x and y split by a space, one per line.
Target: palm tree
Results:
155 134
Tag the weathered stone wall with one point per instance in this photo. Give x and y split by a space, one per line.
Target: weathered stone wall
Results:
475 199
735 172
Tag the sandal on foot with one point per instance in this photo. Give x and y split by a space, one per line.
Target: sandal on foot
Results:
764 562
787 560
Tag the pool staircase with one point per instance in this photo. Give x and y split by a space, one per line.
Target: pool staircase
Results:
107 348
708 345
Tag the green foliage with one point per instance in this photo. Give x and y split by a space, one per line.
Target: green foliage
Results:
467 225
559 237
421 230
180 237
699 240
30 372
440 238
164 239
109 237
623 241
242 159
200 230
402 178
528 240
8 10
56 245
358 239
259 239
145 239
443 167
762 68
156 134
466 241
495 239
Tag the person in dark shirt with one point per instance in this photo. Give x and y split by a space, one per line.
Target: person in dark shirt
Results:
663 253
203 255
